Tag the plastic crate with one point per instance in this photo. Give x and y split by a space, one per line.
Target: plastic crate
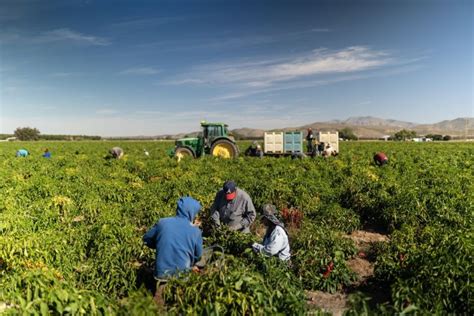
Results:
293 142
273 142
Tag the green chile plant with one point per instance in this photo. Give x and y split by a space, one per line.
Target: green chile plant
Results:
319 258
71 226
232 287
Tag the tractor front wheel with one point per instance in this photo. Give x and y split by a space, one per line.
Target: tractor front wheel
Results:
183 152
224 148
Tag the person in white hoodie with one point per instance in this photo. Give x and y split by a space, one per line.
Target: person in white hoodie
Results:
275 241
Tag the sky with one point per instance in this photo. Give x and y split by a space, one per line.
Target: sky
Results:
123 68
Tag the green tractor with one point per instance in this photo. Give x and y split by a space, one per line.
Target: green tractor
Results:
214 140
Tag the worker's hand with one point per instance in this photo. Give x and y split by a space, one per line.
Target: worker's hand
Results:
197 222
195 269
256 247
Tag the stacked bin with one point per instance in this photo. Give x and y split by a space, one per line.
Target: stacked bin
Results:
273 143
293 142
329 138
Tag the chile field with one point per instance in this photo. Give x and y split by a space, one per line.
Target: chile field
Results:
71 231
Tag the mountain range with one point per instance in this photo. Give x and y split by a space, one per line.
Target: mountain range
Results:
365 127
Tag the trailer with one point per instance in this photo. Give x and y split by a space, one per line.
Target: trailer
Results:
292 143
331 138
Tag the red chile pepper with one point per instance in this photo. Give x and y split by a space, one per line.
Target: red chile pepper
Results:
329 269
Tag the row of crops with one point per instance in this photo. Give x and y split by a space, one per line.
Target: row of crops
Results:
71 229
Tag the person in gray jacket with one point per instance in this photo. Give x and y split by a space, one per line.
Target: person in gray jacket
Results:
116 152
233 207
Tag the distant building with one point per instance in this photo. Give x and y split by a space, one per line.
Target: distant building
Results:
422 139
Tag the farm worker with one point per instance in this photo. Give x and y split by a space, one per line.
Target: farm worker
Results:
309 139
146 152
320 148
233 207
47 153
177 241
329 151
275 241
254 150
380 159
22 153
116 152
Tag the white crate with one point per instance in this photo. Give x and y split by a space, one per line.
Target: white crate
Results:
331 138
273 142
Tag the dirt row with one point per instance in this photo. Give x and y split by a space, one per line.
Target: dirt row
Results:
337 303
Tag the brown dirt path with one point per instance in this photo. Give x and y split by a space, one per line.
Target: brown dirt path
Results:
337 303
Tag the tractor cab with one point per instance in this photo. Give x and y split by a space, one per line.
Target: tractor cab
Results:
213 140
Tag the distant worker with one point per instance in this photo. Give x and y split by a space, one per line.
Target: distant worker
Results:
47 153
22 153
116 152
380 159
233 207
254 150
146 152
275 241
329 151
309 140
320 148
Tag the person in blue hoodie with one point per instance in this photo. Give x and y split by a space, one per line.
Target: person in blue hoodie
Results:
22 153
177 241
47 153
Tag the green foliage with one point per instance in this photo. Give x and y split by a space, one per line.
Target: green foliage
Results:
232 287
71 228
404 135
347 133
26 133
435 137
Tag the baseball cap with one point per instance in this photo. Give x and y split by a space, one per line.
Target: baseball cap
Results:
230 190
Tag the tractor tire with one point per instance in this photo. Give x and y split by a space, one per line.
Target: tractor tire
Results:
224 148
183 152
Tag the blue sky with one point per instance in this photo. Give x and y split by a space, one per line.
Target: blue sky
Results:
156 67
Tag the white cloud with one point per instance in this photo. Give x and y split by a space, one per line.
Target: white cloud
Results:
140 71
146 22
67 35
183 81
262 73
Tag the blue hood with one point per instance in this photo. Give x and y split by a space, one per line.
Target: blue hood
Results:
188 208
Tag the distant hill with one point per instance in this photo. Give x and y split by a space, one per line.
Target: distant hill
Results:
365 127
372 127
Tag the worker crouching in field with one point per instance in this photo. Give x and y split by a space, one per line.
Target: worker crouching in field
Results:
116 153
380 159
276 241
47 153
22 153
177 241
329 151
254 150
233 207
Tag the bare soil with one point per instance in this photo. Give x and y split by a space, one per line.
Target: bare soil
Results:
363 238
337 303
362 267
